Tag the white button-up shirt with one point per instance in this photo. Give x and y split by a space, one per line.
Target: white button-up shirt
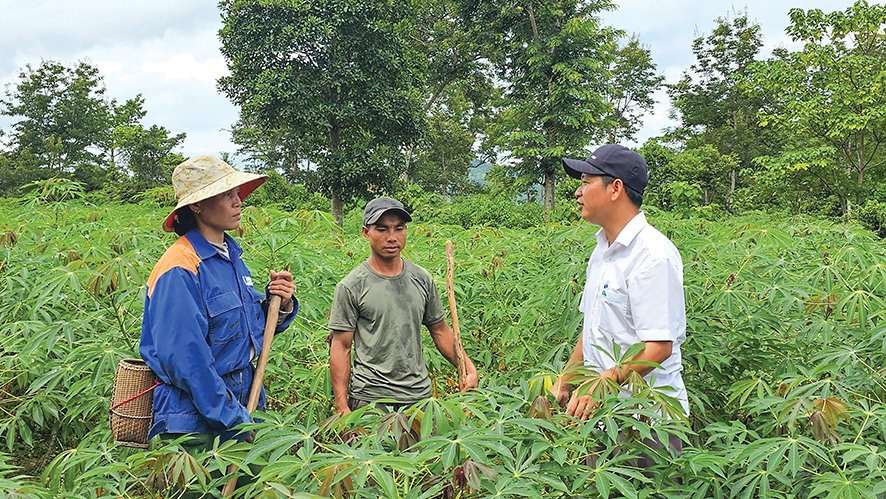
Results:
633 294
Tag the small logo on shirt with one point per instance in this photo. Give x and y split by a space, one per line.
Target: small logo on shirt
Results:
605 287
247 280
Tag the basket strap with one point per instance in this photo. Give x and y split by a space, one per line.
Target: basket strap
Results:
137 395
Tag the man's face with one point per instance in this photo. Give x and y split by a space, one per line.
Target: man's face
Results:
593 198
387 236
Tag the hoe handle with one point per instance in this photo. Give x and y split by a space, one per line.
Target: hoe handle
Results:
255 390
450 290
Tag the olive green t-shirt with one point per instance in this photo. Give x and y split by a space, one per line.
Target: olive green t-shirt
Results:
386 315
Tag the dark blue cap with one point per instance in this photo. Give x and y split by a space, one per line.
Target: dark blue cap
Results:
614 160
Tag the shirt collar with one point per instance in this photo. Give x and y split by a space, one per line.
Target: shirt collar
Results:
627 234
205 250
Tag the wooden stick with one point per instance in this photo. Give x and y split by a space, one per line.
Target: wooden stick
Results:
450 290
255 389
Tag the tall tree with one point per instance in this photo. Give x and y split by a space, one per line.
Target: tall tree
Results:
632 81
66 127
147 154
715 104
447 151
62 116
458 90
829 99
340 77
272 149
128 114
554 56
658 158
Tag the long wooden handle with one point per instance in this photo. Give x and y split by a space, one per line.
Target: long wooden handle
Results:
259 376
450 291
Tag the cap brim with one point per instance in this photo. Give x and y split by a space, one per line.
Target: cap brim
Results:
374 218
246 189
575 167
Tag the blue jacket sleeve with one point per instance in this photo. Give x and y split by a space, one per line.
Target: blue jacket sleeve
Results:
179 327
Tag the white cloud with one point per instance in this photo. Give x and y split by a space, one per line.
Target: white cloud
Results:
185 68
166 50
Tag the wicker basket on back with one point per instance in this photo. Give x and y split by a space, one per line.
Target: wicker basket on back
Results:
132 404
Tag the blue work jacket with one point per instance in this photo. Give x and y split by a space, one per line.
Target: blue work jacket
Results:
203 320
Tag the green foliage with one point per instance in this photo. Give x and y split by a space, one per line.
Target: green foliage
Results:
705 169
718 112
552 58
144 156
66 127
278 191
339 80
53 190
783 362
682 196
443 167
161 196
630 89
873 216
472 211
828 97
61 113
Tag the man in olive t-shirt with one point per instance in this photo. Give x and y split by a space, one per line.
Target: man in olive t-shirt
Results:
379 309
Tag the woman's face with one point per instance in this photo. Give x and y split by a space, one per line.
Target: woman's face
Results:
218 214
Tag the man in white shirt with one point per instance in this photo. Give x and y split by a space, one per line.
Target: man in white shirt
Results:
634 288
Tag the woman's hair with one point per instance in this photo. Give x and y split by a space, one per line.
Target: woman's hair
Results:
184 220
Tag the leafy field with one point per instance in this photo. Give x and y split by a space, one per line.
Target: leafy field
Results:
785 363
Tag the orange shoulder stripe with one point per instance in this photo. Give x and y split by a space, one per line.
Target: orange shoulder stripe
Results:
181 254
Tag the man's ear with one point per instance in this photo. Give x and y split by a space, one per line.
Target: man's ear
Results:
618 189
365 232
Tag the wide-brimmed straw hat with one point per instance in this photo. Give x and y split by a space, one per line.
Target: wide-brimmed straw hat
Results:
202 177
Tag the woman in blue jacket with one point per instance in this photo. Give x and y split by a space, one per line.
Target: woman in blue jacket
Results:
204 321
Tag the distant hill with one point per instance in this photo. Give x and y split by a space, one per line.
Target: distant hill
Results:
477 174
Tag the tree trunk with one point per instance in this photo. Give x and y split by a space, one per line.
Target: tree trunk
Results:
549 194
337 208
335 143
405 174
733 179
859 170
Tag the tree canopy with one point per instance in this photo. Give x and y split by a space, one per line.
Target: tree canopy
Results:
65 126
355 98
339 79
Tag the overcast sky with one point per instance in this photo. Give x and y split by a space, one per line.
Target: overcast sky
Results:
167 50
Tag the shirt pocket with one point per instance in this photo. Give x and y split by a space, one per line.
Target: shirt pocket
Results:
225 317
614 312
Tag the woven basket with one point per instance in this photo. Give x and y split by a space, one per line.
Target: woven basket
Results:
132 405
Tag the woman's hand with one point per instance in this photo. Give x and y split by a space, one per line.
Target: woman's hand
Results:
282 286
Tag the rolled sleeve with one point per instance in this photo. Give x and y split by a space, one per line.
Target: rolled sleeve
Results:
656 301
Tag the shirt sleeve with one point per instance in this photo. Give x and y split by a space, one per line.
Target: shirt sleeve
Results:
434 312
344 311
178 325
656 300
